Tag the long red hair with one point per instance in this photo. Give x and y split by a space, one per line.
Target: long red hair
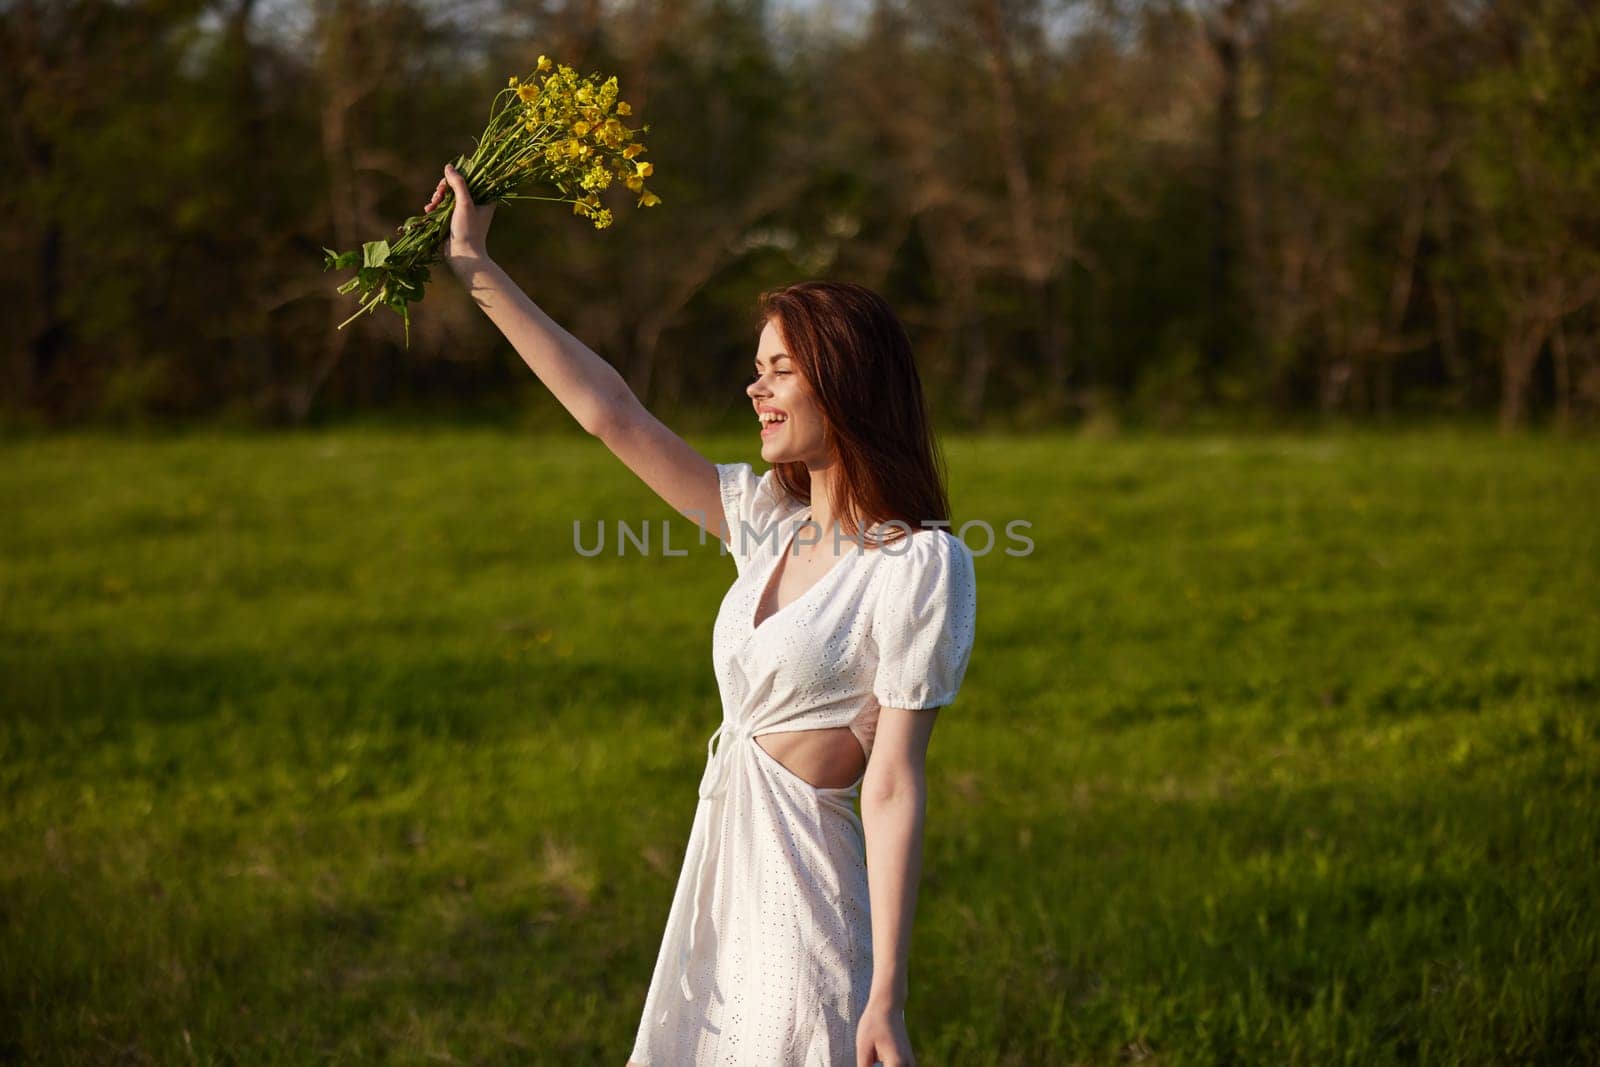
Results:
855 359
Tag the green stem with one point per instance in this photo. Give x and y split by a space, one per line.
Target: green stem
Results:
524 196
359 312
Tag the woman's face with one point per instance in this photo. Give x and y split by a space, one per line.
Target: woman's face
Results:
793 434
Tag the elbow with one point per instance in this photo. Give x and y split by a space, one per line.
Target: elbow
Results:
609 411
599 424
892 788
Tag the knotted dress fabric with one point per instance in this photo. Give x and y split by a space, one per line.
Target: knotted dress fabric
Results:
767 956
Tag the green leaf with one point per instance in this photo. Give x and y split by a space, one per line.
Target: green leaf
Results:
340 260
374 253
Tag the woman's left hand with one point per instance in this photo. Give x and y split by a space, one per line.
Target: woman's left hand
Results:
881 1038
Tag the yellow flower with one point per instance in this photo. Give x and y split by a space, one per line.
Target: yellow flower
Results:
566 130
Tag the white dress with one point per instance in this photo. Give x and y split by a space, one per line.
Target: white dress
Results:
767 956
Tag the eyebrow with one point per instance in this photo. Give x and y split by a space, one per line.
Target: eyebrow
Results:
776 356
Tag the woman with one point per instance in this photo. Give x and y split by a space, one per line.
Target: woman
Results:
833 654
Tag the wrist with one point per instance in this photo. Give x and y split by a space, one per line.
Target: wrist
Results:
463 263
890 1001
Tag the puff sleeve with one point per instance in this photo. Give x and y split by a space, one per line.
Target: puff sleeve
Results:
924 622
751 507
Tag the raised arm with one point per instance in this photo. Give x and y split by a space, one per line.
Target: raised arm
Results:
585 384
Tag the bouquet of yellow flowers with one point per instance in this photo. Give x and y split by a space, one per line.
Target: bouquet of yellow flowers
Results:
556 132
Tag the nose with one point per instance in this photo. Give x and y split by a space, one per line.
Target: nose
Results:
756 387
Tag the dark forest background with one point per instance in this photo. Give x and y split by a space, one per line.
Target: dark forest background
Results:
1083 210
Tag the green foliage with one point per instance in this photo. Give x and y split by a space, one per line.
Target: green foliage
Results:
1532 167
1404 177
1275 750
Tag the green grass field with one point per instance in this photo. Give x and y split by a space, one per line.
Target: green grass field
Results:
330 747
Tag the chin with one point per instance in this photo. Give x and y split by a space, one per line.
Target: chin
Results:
782 452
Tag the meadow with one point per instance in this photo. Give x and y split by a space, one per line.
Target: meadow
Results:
1278 748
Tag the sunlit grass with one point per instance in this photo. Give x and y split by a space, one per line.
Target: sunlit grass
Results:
330 746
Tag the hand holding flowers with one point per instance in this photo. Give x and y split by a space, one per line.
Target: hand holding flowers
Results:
559 133
469 222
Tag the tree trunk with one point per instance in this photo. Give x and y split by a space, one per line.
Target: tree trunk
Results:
1563 369
951 253
31 58
53 337
1519 353
1033 252
975 373
1226 32
350 68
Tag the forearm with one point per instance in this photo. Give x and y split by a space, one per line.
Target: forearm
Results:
584 383
893 821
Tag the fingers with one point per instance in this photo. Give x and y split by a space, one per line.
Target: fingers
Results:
458 184
438 195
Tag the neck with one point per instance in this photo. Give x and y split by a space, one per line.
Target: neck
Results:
822 512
